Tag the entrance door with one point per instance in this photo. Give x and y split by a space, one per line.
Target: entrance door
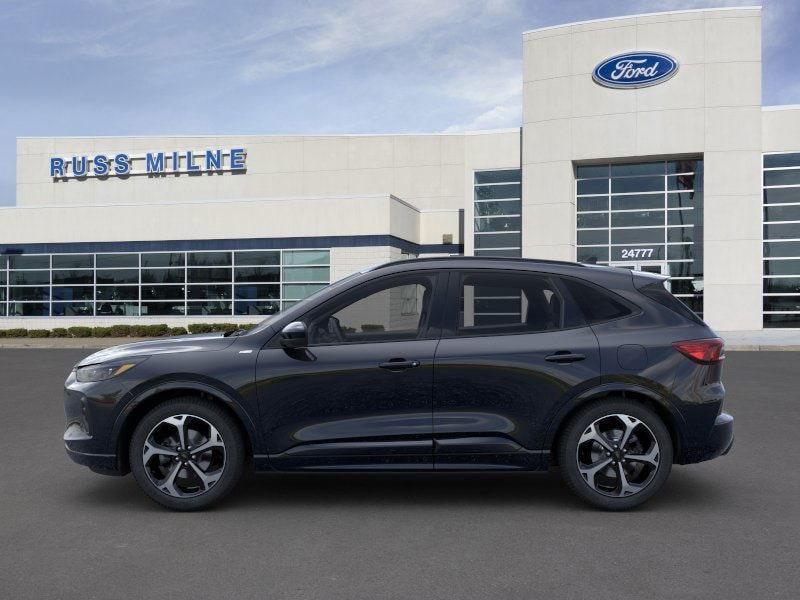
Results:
659 267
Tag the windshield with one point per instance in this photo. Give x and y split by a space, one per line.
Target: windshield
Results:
302 304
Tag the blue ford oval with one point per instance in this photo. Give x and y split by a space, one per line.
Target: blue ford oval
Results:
635 70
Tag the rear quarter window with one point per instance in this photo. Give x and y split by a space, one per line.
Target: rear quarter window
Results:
657 291
596 304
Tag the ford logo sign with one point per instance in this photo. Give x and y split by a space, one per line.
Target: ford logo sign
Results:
635 70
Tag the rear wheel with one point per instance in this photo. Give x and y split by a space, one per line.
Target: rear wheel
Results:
187 453
615 453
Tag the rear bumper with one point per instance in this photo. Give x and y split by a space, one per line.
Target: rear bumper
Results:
719 442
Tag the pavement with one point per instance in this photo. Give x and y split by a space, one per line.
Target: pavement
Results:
727 529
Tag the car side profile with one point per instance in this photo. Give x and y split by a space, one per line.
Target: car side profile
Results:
443 364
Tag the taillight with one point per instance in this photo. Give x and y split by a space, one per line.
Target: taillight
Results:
702 351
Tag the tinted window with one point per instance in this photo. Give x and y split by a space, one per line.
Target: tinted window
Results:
658 292
397 310
596 304
507 303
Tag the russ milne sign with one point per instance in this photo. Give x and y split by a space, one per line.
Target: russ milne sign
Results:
150 163
635 70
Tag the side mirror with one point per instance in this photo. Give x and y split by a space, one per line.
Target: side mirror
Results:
294 335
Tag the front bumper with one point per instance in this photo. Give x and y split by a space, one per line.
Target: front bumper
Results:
77 443
718 443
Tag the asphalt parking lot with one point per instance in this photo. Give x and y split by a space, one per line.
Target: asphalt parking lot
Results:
724 529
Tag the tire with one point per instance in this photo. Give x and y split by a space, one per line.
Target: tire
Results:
602 473
187 480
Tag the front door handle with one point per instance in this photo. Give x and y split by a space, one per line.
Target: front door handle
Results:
398 364
564 356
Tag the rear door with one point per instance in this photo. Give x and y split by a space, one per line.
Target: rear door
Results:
513 349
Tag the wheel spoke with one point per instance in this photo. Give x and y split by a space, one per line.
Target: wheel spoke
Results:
591 434
625 487
651 457
214 441
152 449
630 424
208 479
168 483
589 471
179 423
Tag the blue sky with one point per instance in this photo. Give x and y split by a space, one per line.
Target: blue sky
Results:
106 67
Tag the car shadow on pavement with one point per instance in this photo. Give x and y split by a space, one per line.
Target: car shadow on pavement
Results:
683 490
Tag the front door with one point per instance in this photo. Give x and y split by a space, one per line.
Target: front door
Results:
360 395
512 349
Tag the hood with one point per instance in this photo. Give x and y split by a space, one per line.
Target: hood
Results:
203 342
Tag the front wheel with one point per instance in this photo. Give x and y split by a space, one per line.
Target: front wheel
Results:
615 454
187 453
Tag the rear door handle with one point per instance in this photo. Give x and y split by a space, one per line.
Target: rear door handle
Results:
398 364
564 356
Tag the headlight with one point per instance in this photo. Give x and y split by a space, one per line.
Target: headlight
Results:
101 372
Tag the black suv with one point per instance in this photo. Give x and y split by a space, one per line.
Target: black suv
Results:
430 364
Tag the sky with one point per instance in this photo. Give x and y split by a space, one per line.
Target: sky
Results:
171 67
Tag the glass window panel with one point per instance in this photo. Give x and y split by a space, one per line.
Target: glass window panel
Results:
782 285
593 254
256 292
26 261
118 276
791 159
788 177
117 292
3 309
779 249
593 203
163 259
637 201
163 276
265 257
162 308
637 236
782 213
295 291
256 308
782 231
684 199
29 277
29 293
776 321
685 286
117 261
222 307
209 259
682 182
589 237
73 309
637 184
498 224
28 309
592 186
2 277
680 234
306 274
681 217
684 166
639 252
73 277
507 253
680 252
497 240
209 292
72 292
783 303
647 168
494 192
782 195
306 257
257 273
73 261
2 294
782 267
117 309
637 219
498 176
162 292
586 171
593 220
511 207
210 275
682 269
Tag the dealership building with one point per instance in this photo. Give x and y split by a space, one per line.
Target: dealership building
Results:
643 144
